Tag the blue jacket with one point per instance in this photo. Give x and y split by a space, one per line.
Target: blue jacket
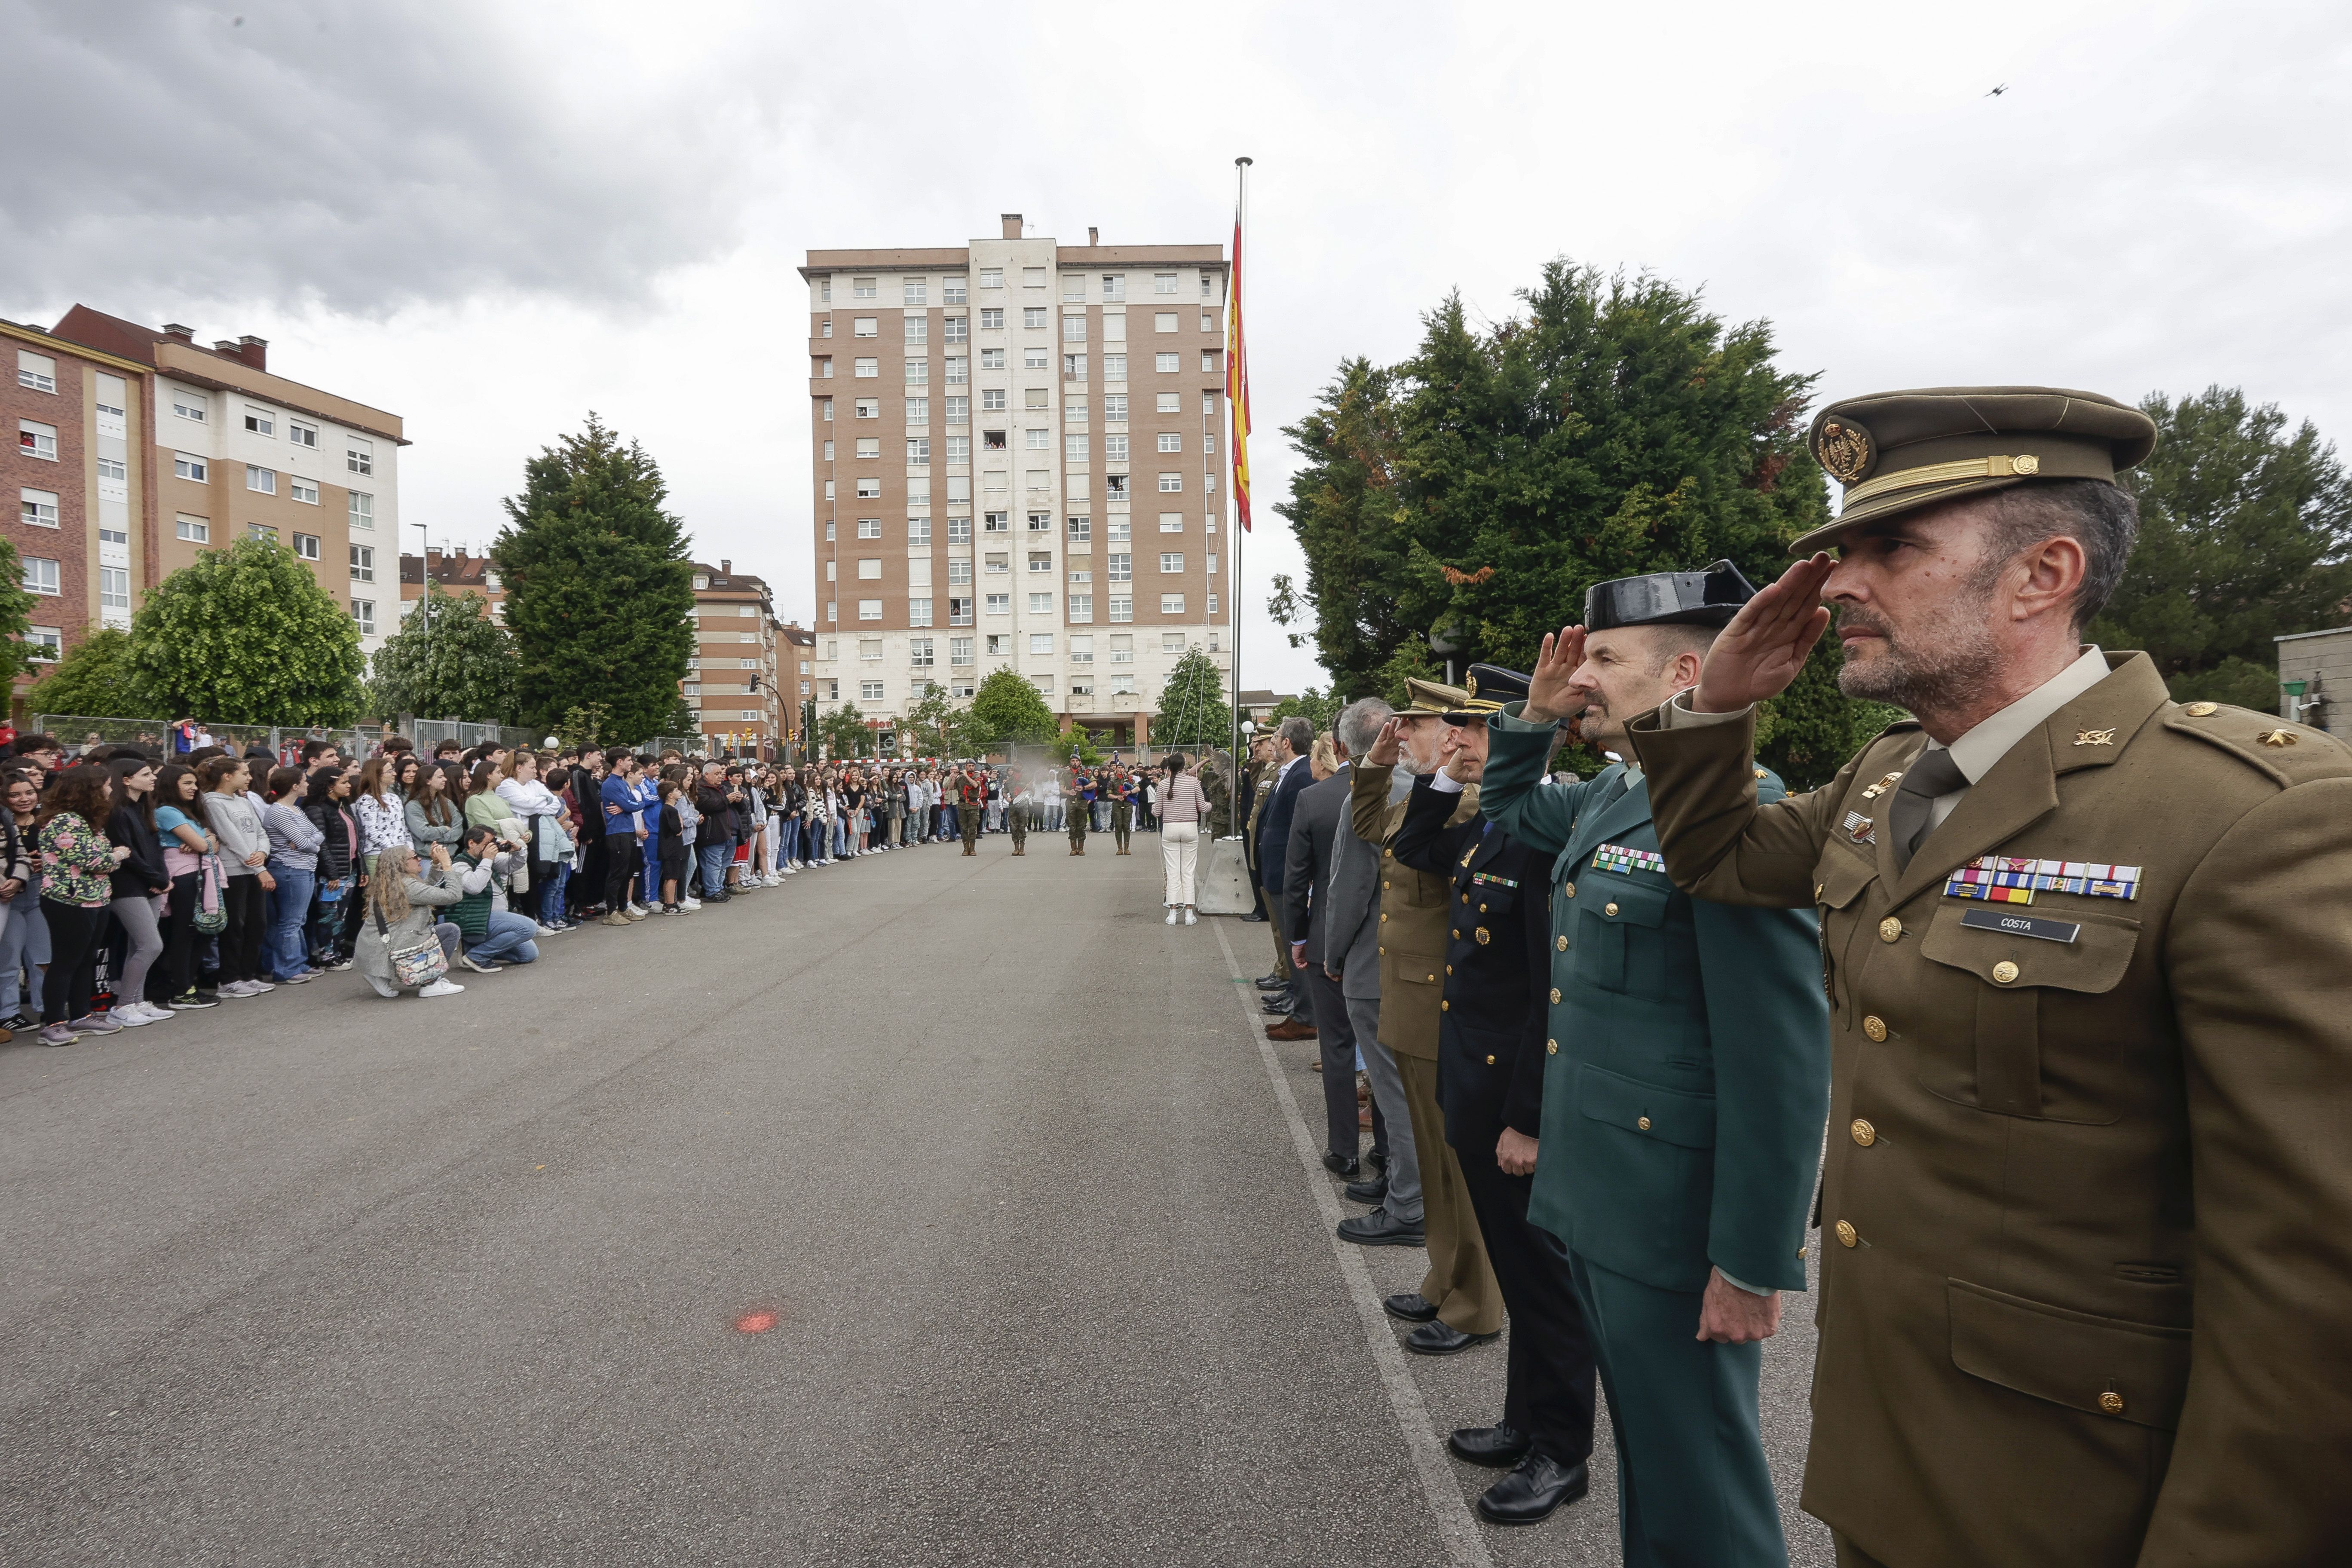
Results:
1274 824
615 790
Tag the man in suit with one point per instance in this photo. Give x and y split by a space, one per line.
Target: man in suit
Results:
1331 897
1292 739
2090 957
1686 1075
1490 1064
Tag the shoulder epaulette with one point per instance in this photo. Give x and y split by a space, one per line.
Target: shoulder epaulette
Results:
2289 752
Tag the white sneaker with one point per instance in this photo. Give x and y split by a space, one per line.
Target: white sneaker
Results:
156 1014
130 1016
1172 914
549 930
689 903
1189 918
384 988
441 988
238 988
256 987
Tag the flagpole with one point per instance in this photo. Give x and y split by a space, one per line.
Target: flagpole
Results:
1236 382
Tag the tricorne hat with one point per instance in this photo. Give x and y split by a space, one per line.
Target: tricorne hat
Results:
1897 451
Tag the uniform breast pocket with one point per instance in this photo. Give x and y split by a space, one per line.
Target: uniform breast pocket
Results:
1620 934
2046 1042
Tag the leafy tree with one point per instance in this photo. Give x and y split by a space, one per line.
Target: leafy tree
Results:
246 636
16 619
1193 715
1081 743
2245 535
459 664
681 719
1318 709
1616 427
930 724
845 733
599 589
1006 708
584 724
95 678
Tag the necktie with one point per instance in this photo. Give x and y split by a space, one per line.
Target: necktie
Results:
1932 774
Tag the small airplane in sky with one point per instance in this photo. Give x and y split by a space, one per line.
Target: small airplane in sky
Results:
1996 92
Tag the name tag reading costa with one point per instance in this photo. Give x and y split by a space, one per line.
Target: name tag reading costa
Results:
2021 925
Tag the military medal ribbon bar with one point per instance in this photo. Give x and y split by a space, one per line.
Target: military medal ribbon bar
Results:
1617 857
2012 880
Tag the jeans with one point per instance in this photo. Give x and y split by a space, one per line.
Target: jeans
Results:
323 938
715 860
550 898
840 837
24 945
508 939
289 906
788 841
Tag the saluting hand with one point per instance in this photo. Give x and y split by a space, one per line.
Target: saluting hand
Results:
1760 652
1389 746
1549 697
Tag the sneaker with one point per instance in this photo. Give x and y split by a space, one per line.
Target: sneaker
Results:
130 1016
304 978
551 931
384 988
57 1035
442 988
1172 914
690 902
339 966
476 965
256 987
155 1014
671 909
92 1023
1189 918
615 918
234 989
189 1001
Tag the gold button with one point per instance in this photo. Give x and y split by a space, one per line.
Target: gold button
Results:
1874 1027
1384 919
1864 1132
1555 995
1490 1061
1609 909
1845 1234
1759 772
1466 898
1568 888
2004 971
1388 855
2203 710
1444 1006
1801 1252
1563 943
1386 883
1449 969
1551 1048
1432 978
1482 908
2112 1403
1890 930
1454 934
1643 1122
1385 953
1818 887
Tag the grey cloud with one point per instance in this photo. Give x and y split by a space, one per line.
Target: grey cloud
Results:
357 157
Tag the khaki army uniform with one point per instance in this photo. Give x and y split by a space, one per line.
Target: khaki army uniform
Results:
2087 1269
1016 818
1459 1282
971 798
1261 787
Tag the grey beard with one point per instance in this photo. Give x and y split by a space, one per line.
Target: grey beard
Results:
1899 676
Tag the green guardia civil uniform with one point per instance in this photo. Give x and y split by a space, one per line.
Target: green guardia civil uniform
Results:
1662 1155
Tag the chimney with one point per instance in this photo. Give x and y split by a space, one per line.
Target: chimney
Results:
254 351
1094 235
433 555
179 333
1011 226
725 568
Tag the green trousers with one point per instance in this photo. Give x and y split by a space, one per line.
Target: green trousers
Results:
1122 822
1016 817
1078 813
967 821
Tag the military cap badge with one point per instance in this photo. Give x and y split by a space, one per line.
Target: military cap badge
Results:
1845 450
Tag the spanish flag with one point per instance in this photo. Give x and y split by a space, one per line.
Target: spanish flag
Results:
1238 381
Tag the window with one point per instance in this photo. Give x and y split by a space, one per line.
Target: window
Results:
870 490
1041 642
195 530
992 319
959 530
992 359
1163 283
302 490
188 404
1036 440
959 408
868 408
359 456
999 603
919 612
916 290
869 609
959 650
1171 523
870 569
919 372
34 440
861 288
868 369
264 480
919 453
1212 567
1208 285
363 563
1074 367
363 611
306 545
869 528
1032 318
1114 486
1171 483
1115 410
1040 561
1074 328
1122 568
1121 609
1082 650
919 411
1032 278
866 326
958 329
992 278
824 328
1114 285
959 609
828 528
1171 561
997 522
1171 642
820 365
919 653
1164 364
1117 529
1074 449
1041 479
959 449
1172 604
1114 367
302 434
1082 529
918 531
1074 288
869 691
1114 448
826 406
951 290
1164 322
40 575
1208 362
959 573
804 689
45 642
1171 442
1082 578
1074 410
1122 648
870 649
39 372
38 508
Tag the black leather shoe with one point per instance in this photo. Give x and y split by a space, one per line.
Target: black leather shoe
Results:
1379 1229
1370 1189
1279 1002
1254 917
1410 1306
1379 1158
1435 1338
1497 1448
1341 1164
1529 1493
1272 981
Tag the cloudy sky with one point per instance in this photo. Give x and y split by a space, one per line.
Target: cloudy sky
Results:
492 217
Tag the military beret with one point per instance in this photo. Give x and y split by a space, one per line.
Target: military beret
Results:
1897 451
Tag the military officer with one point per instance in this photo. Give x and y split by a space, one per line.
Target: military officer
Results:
1686 1075
2089 957
971 798
1017 808
1459 1304
1122 787
1490 1068
1079 795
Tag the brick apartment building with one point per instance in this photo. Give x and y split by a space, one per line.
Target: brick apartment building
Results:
456 572
730 681
1016 464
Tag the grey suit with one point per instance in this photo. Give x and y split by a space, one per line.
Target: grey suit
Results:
1341 927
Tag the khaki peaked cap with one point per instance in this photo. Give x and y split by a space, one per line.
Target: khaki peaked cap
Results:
1897 451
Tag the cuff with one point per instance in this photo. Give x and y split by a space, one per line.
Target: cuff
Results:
1728 1279
1445 782
1509 722
1675 713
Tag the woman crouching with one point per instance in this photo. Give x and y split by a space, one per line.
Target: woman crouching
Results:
400 916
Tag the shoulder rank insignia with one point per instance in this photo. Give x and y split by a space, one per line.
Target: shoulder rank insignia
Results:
2095 736
2280 738
1617 857
1860 828
1883 785
2009 879
1488 879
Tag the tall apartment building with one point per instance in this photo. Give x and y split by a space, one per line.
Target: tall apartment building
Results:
83 519
730 681
235 450
1017 455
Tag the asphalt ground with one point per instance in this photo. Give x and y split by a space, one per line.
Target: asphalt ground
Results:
320 1278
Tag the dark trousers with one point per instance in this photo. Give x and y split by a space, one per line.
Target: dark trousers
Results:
76 934
240 941
620 866
968 820
176 974
1548 1390
588 884
1337 1036
1301 1004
